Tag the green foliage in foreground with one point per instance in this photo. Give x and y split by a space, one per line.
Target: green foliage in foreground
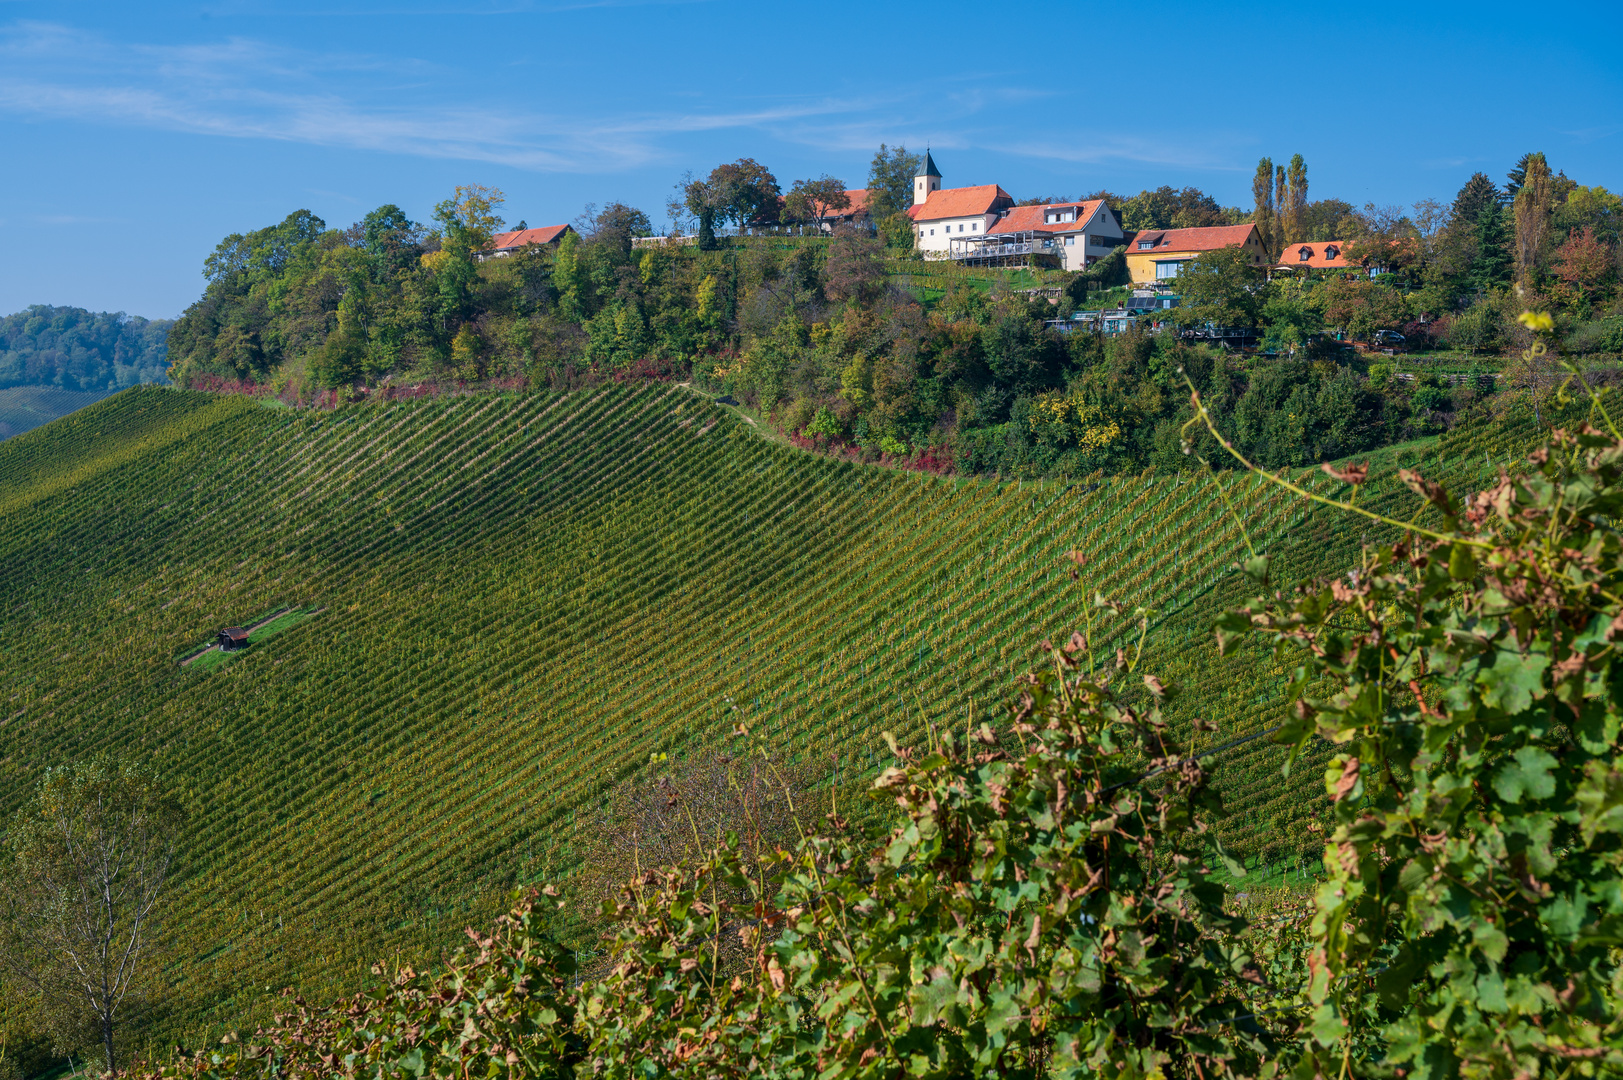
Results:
1045 906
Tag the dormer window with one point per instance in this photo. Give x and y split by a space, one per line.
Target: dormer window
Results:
1305 254
1145 245
1332 252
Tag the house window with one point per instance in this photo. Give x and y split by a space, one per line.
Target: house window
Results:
1145 245
1305 254
1332 252
974 226
1165 271
1069 240
932 232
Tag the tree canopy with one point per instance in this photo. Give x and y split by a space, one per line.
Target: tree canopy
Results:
75 349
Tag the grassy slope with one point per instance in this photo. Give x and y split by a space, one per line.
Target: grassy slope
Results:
23 408
526 597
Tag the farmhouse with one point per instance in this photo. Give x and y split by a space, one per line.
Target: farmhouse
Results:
941 215
232 637
1075 234
1156 255
854 214
504 244
1325 255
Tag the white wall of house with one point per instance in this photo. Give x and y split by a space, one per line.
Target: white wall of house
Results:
934 236
1092 239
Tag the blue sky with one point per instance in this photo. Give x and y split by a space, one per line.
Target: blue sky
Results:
137 135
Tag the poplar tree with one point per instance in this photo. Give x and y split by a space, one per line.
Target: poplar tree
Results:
1295 204
1264 217
1532 208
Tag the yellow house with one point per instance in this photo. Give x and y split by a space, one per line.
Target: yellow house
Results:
1155 256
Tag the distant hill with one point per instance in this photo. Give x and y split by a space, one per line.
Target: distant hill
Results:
496 606
74 349
54 360
23 408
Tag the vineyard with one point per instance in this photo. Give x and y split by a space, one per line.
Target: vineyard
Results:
23 408
488 608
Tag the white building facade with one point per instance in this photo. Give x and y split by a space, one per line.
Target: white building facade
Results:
941 216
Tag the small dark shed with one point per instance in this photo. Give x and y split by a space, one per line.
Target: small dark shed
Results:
232 637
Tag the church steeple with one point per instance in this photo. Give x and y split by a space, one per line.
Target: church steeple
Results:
927 180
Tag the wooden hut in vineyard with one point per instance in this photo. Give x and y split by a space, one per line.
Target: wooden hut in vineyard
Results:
232 637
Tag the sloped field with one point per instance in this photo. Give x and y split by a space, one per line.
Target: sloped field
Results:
524 598
23 408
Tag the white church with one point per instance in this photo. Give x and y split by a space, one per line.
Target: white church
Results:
982 224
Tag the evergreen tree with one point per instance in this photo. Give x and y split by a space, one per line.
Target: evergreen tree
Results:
1477 193
1492 264
1518 175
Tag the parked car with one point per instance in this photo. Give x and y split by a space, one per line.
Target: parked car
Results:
1389 342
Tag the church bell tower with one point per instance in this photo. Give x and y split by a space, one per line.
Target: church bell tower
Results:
928 180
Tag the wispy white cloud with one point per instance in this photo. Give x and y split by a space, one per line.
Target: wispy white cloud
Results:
1594 134
408 8
73 219
239 88
1181 153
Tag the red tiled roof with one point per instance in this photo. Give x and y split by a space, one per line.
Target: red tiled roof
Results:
1318 255
1210 238
960 202
1030 218
859 204
509 241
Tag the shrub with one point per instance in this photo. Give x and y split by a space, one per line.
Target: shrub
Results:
1599 336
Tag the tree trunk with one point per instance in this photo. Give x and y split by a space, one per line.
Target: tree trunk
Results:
107 1042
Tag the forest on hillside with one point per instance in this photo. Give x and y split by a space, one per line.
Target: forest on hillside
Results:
852 343
73 349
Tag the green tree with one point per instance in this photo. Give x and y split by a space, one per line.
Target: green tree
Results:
614 227
746 192
89 858
1591 208
1361 307
470 217
1533 206
1518 174
812 202
1477 193
890 181
1264 216
570 278
1492 264
1295 202
1219 288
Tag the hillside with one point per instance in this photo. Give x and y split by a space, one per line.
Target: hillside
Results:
521 598
23 408
75 349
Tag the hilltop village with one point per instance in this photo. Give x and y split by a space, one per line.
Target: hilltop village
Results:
983 226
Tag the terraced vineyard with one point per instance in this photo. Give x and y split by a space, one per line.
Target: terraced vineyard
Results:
522 598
